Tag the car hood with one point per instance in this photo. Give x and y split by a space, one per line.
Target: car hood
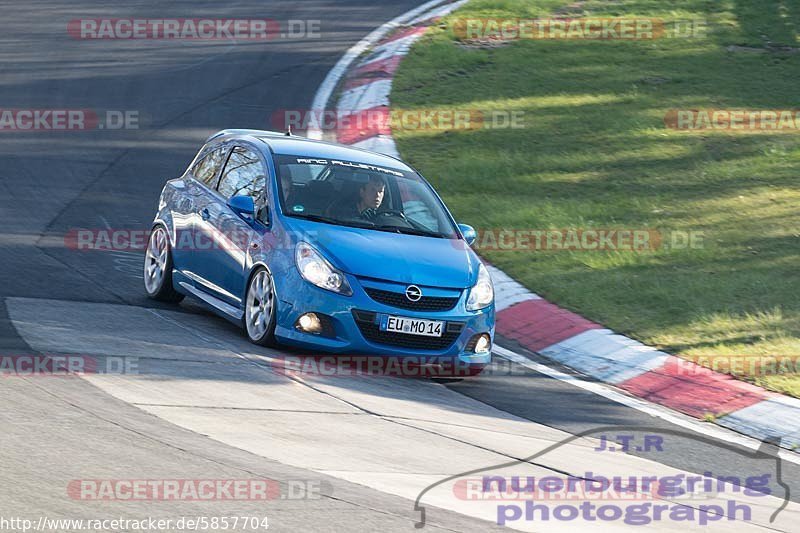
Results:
447 263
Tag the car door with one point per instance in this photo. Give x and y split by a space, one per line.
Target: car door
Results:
223 236
200 184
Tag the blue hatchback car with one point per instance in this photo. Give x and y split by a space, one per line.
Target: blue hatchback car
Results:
323 247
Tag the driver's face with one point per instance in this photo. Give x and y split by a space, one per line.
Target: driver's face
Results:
372 194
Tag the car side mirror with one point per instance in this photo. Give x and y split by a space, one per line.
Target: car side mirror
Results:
468 232
243 206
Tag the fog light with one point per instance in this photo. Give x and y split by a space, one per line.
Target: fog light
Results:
484 344
309 323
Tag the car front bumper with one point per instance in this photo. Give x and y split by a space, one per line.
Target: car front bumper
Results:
355 330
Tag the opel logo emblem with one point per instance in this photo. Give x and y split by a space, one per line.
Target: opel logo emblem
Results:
413 293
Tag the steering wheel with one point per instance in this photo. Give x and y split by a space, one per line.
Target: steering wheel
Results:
393 213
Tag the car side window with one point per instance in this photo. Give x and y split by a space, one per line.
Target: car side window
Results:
244 175
207 169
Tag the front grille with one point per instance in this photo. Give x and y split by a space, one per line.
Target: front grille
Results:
398 299
369 327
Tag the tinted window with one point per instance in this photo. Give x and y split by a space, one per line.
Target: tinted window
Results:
207 169
418 205
244 175
362 195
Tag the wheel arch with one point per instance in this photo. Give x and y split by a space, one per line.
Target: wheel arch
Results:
166 221
253 269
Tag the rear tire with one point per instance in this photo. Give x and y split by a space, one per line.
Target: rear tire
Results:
260 306
158 267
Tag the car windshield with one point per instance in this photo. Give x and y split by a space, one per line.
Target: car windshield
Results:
362 195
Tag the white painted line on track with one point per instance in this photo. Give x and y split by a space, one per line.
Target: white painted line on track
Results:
368 96
643 406
415 434
438 12
511 292
379 143
327 87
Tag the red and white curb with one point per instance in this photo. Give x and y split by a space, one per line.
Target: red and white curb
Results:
365 74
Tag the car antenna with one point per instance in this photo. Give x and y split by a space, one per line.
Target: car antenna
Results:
288 131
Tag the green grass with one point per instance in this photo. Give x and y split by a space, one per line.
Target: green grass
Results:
595 153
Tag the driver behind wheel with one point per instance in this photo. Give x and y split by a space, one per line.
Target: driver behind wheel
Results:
366 203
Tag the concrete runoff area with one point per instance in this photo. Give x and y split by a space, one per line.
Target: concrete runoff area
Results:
201 402
397 436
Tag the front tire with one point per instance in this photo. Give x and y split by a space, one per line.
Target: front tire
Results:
158 267
260 308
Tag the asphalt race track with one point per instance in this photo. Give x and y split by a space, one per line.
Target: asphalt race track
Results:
204 403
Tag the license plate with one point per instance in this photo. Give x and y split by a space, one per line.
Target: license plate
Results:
412 326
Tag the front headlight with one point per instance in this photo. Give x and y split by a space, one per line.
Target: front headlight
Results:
482 294
317 271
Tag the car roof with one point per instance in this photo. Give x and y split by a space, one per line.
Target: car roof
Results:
282 144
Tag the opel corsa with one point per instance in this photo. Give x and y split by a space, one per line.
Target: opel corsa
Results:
322 247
